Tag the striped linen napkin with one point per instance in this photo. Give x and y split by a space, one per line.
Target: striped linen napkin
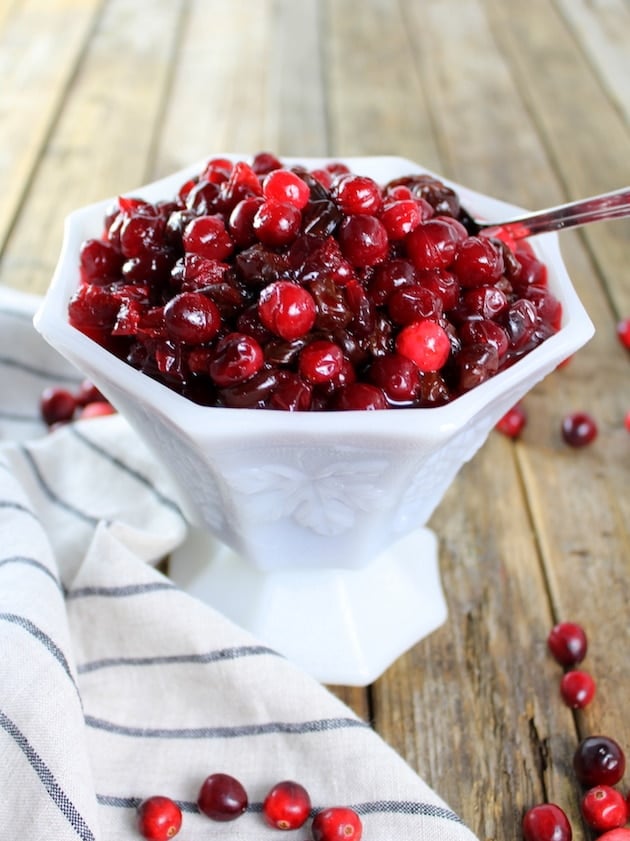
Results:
114 684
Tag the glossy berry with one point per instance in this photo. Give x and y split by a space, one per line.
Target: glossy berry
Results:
285 186
57 405
604 808
357 194
620 834
478 261
222 797
287 805
158 818
623 332
400 218
238 357
208 237
337 824
363 240
321 361
579 429
288 310
577 689
626 420
599 760
426 343
360 396
568 643
191 318
513 421
276 223
546 822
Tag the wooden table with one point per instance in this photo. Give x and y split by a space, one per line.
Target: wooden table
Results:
526 101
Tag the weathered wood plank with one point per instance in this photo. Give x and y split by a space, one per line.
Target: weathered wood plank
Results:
248 78
584 134
102 141
40 45
377 104
602 28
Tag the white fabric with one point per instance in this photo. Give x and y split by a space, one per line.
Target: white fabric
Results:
114 684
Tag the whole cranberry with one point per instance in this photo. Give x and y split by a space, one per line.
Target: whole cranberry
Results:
604 808
158 818
363 240
222 797
361 396
287 805
287 309
577 689
623 332
620 834
337 823
568 643
285 186
426 343
478 261
191 318
238 357
579 429
57 405
513 422
546 822
276 223
357 195
207 236
599 760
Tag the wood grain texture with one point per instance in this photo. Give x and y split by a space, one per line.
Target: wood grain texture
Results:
525 101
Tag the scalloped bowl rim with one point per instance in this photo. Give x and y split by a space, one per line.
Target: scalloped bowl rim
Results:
52 322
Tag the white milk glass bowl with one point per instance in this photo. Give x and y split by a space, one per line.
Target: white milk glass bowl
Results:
309 529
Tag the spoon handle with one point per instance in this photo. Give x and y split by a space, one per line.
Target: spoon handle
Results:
614 205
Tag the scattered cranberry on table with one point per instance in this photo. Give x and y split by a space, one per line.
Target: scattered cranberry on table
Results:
577 689
579 429
604 808
158 818
599 760
60 405
285 258
546 822
623 332
287 805
337 824
568 643
513 422
222 797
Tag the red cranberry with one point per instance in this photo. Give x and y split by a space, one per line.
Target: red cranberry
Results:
96 409
191 318
444 284
237 358
397 376
361 396
222 797
276 223
99 262
57 405
426 343
390 276
285 186
265 162
363 240
207 236
619 834
241 221
546 822
626 420
513 422
287 805
623 332
483 331
476 364
599 760
577 689
478 261
288 310
158 818
337 824
321 361
568 643
413 303
431 245
400 218
88 393
604 808
579 429
357 194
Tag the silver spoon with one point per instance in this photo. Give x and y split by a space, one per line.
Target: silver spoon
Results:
614 205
